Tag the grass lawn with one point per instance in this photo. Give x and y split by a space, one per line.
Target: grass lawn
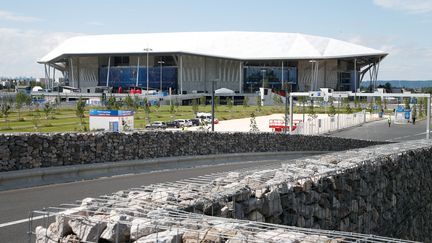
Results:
65 120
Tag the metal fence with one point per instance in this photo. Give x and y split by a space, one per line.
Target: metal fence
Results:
321 125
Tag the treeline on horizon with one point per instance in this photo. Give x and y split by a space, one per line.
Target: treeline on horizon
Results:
407 84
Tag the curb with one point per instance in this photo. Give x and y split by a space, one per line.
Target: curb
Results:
61 174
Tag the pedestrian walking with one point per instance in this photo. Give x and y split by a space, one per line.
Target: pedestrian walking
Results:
389 121
413 119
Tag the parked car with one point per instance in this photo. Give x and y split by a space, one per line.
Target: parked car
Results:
188 123
182 122
206 117
157 125
173 124
195 121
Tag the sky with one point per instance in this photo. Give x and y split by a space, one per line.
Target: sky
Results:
30 29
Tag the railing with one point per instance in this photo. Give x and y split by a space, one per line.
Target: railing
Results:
320 125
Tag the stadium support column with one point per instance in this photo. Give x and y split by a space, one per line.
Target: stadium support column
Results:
46 77
240 77
355 76
108 70
136 83
428 112
181 74
282 77
71 83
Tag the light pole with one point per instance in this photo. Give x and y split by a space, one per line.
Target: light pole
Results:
213 105
161 63
147 50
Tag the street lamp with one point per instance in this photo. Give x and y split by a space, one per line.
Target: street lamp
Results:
161 63
147 50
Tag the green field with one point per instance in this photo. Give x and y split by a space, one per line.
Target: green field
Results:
65 119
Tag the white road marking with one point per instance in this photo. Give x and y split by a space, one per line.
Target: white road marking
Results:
68 211
21 221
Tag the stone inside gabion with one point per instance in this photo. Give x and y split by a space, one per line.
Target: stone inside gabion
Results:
369 195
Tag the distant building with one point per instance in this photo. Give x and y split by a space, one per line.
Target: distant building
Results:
189 62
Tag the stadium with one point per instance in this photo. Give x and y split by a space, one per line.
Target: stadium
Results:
188 62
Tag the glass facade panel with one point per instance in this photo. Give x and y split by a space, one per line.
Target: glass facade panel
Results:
272 77
125 77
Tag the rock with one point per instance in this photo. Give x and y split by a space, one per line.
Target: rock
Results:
241 238
44 235
87 229
174 235
70 239
225 212
253 204
210 236
116 231
256 216
272 204
143 227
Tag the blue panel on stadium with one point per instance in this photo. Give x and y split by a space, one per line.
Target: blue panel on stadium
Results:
125 77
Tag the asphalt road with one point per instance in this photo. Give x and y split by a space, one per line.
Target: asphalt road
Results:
380 131
15 205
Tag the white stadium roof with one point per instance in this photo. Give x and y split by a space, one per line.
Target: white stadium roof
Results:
230 44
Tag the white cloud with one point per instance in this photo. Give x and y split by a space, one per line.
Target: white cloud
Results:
10 16
21 49
410 6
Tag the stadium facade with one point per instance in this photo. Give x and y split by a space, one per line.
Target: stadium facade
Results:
188 62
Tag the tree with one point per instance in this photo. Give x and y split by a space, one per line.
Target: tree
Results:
112 103
5 111
21 99
348 109
129 102
194 106
80 108
172 108
258 103
203 100
421 107
311 110
379 103
36 117
246 102
302 101
371 106
253 125
332 109
147 110
47 109
388 87
406 103
356 103
229 104
414 112
136 103
277 100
